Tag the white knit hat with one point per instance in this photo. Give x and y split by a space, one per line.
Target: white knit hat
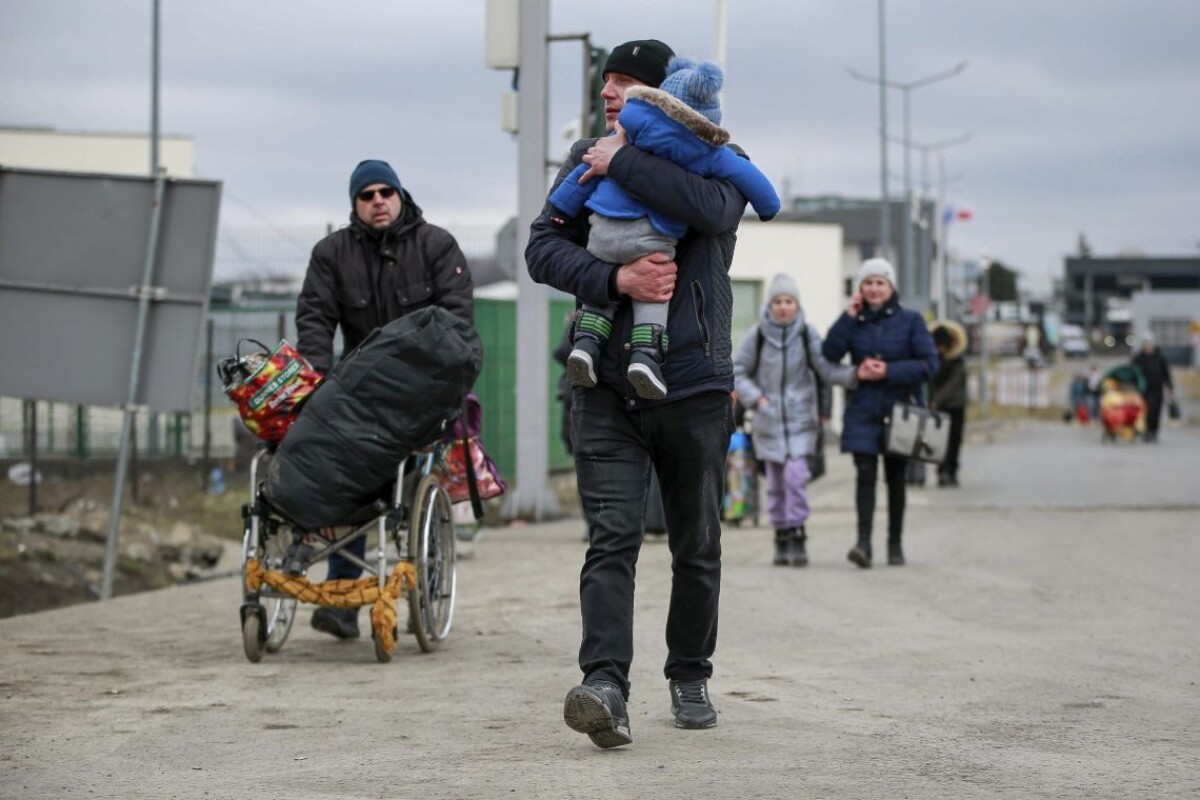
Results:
876 267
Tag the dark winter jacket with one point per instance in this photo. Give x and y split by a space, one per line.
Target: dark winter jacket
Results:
897 336
700 312
658 123
361 279
786 427
1156 370
948 388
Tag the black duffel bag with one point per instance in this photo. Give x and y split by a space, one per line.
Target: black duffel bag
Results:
395 394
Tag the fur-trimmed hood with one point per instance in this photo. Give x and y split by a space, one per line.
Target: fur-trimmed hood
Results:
681 112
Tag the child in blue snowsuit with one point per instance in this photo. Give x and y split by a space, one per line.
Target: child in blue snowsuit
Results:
679 121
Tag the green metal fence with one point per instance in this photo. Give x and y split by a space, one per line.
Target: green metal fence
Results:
496 321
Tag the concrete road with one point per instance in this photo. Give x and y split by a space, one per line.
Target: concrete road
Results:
1043 642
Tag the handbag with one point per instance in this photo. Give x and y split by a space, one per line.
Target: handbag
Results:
466 471
914 431
816 459
454 471
268 386
1173 411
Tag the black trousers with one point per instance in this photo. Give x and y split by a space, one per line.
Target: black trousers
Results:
957 420
867 468
1154 404
686 441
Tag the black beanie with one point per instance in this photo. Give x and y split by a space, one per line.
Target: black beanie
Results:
642 59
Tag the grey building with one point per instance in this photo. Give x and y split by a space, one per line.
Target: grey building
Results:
1097 292
859 220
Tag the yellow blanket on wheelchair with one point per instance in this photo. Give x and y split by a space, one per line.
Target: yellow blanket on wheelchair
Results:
344 594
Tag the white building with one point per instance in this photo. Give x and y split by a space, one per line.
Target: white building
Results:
108 153
811 252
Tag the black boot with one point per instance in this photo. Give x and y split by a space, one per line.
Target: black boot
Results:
339 622
799 556
895 552
860 554
783 547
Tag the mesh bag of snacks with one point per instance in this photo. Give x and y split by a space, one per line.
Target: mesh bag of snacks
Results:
268 386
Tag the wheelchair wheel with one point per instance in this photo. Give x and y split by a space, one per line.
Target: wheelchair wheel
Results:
431 549
252 638
280 609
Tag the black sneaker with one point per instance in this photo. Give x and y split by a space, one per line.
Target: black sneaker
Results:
339 622
645 373
581 364
691 706
598 709
860 555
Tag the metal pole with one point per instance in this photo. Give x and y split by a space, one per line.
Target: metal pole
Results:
206 458
884 84
533 497
885 233
31 405
133 462
584 114
144 293
985 290
939 225
154 41
720 32
908 273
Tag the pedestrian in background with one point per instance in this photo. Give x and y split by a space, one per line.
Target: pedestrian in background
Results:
1157 373
778 371
1092 391
948 392
894 355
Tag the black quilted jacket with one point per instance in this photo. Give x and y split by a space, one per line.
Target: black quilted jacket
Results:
362 280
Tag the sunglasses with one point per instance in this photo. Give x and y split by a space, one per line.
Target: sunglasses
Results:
369 194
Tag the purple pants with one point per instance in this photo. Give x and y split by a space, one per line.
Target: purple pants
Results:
787 498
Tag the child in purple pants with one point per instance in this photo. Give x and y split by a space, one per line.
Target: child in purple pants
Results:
779 373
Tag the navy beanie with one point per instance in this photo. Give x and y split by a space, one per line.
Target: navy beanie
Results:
643 59
697 83
369 172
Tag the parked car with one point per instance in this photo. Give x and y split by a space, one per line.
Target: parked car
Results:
1074 342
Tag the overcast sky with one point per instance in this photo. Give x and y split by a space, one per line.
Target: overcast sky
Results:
1084 114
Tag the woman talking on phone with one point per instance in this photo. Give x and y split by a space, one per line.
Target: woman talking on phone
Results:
894 354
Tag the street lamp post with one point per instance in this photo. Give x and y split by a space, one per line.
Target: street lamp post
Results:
935 278
906 87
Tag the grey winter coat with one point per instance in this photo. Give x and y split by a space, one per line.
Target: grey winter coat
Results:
786 427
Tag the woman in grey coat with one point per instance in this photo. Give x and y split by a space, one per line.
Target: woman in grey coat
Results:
777 372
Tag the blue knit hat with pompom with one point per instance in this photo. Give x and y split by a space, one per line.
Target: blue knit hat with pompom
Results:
696 83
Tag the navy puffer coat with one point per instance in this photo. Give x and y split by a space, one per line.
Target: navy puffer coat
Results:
895 335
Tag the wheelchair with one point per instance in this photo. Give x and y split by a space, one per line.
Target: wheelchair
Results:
413 514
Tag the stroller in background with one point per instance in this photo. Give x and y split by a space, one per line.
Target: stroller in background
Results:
1123 404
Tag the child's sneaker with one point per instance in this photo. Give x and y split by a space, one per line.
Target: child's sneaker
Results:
645 373
645 362
581 364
